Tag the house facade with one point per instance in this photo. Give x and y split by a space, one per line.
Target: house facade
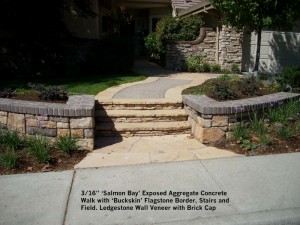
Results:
141 16
278 48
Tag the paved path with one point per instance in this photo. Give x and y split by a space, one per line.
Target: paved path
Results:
259 190
155 89
162 84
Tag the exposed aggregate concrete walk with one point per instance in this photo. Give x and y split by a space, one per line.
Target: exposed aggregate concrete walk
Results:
161 87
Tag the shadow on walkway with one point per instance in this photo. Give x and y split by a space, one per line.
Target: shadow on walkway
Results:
151 69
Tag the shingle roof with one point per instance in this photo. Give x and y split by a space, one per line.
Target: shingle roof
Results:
184 4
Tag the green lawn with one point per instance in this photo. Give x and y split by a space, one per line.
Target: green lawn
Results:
78 85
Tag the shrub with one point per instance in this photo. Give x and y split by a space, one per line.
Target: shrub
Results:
36 86
7 93
224 77
216 68
205 67
235 68
223 90
194 63
285 132
265 140
154 50
290 76
240 132
250 86
53 93
171 29
66 144
38 147
8 159
10 140
257 125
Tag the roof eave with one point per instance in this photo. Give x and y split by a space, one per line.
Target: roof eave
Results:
196 9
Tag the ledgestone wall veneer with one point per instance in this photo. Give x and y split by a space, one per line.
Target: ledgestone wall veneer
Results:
76 118
212 120
223 48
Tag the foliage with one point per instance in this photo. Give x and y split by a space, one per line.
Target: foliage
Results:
223 90
216 68
235 68
290 76
206 67
256 14
265 139
38 146
172 29
36 86
66 144
154 50
53 93
7 93
240 132
250 86
246 144
194 63
283 112
257 125
285 132
10 140
8 159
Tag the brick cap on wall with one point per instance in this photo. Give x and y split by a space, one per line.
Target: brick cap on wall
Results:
76 106
206 105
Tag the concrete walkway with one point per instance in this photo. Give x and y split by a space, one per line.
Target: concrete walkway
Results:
161 85
253 190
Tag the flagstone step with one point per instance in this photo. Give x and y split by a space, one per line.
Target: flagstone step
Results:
147 104
135 116
142 129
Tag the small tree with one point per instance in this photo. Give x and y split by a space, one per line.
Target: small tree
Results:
256 14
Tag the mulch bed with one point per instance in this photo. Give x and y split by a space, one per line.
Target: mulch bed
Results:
35 98
278 147
58 162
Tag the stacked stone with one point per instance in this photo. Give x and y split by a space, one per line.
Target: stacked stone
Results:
212 120
230 47
54 124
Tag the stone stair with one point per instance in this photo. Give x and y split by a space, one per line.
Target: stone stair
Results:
152 117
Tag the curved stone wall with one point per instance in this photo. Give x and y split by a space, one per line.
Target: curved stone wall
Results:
212 120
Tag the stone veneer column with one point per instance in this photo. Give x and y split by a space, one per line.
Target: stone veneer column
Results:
230 47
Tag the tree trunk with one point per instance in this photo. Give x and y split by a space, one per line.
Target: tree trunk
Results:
257 56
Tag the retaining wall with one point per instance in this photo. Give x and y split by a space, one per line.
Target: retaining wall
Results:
223 48
212 120
76 118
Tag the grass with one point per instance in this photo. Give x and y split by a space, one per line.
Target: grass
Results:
8 159
66 144
76 85
38 146
10 140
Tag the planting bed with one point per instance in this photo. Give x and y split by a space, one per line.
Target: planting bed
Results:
58 162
